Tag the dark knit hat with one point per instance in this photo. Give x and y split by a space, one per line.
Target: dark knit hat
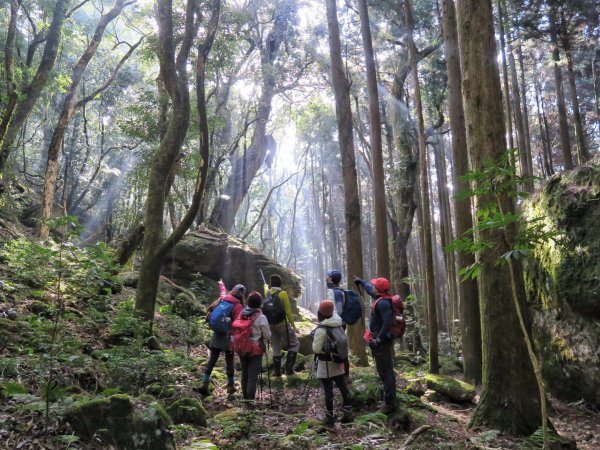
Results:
381 285
335 275
238 291
326 308
275 280
254 300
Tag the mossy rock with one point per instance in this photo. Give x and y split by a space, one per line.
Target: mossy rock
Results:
88 416
415 387
158 390
117 422
456 390
40 308
562 282
200 444
188 410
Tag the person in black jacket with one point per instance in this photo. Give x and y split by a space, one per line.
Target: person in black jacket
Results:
381 340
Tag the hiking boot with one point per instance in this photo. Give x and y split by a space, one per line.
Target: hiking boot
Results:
347 415
290 361
231 388
388 408
328 420
203 390
276 366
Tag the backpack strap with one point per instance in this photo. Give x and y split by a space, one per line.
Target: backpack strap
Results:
374 307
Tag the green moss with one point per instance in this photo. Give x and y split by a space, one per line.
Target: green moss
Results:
188 410
455 389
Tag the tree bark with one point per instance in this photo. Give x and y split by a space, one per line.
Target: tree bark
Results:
432 319
351 199
32 92
516 93
381 234
66 114
509 400
470 324
583 154
509 123
173 69
565 141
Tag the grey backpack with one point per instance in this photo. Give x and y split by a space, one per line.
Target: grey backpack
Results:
335 347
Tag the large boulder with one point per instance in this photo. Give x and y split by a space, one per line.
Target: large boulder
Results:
563 284
218 255
117 421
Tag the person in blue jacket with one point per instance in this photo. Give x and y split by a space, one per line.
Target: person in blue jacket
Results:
381 341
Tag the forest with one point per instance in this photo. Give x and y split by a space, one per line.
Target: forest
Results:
162 158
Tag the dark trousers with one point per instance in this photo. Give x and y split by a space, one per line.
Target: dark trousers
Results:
340 381
383 355
214 356
251 366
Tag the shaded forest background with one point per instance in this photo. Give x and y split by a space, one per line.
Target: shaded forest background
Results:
144 121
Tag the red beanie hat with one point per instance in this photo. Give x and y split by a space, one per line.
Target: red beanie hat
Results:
381 285
326 308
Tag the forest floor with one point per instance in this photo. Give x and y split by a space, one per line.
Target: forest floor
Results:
287 416
81 346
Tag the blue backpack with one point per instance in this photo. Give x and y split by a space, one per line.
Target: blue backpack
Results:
353 309
219 319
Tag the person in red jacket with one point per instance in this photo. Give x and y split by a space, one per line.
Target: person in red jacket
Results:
221 342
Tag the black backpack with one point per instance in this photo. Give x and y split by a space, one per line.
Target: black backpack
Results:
273 309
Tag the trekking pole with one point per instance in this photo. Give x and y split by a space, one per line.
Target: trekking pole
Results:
310 375
268 377
262 275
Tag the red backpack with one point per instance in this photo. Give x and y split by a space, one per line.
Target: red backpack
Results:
398 320
242 342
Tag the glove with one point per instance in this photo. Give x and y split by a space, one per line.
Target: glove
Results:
357 280
374 343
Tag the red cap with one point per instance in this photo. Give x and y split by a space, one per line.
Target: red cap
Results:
381 285
326 308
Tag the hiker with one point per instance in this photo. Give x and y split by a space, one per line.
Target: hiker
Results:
251 350
283 329
334 277
223 313
330 366
380 339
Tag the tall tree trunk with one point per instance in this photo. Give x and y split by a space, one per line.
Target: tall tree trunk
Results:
582 151
246 165
523 160
565 141
446 230
509 400
9 57
381 234
16 119
173 67
66 114
509 123
525 110
470 324
341 90
432 320
544 135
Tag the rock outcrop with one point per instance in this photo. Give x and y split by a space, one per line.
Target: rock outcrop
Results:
563 284
218 255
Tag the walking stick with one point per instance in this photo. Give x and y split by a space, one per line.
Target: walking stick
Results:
268 377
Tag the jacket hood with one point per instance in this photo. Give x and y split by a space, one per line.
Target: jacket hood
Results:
333 321
247 311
